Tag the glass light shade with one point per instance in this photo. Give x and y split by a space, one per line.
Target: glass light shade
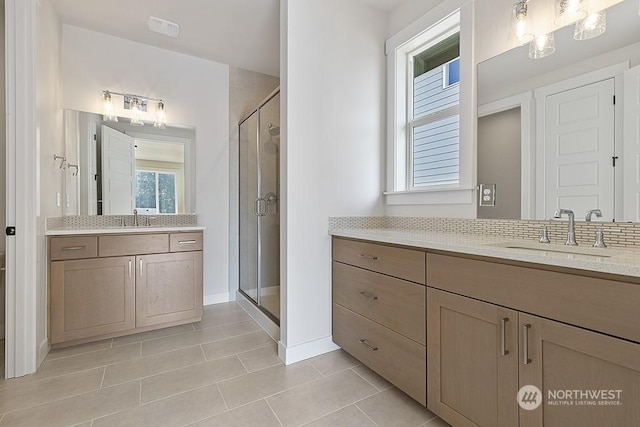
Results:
161 117
569 11
135 113
108 108
542 46
519 24
591 26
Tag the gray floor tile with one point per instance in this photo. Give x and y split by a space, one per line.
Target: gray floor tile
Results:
394 408
375 379
174 342
256 414
332 362
240 328
150 335
79 349
351 416
235 345
260 358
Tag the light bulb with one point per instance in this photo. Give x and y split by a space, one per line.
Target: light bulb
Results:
569 11
519 24
591 26
108 108
161 117
135 113
542 46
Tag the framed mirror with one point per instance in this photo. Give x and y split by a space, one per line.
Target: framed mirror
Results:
112 168
550 132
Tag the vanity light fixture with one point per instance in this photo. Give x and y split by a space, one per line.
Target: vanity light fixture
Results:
542 46
108 108
592 26
137 105
519 24
569 11
161 117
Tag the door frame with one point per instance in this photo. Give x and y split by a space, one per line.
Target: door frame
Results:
616 72
22 139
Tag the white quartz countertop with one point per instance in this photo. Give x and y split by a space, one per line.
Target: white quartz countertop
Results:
621 261
122 230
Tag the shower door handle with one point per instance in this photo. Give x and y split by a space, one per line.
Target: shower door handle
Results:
258 207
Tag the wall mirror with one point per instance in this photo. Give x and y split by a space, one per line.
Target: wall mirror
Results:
550 130
112 168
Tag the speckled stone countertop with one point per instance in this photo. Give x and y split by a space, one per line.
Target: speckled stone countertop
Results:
619 261
122 230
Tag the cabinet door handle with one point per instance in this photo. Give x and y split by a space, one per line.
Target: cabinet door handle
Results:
186 242
368 295
130 268
74 248
503 336
369 346
525 344
141 269
367 256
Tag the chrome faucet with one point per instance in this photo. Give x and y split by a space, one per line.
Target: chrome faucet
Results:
597 212
571 234
135 217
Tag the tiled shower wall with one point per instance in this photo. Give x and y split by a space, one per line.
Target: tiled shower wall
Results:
616 233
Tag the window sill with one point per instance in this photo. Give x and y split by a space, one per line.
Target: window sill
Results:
432 196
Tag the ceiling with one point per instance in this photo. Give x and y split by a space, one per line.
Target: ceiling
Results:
241 33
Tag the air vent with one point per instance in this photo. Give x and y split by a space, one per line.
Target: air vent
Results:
162 26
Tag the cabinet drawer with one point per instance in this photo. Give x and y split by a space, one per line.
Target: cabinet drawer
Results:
63 248
183 242
394 303
401 361
406 264
133 244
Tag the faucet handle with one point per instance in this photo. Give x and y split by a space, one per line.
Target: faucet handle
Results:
544 235
599 243
122 221
597 212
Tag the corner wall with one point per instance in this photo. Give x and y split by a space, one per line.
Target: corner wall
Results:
332 102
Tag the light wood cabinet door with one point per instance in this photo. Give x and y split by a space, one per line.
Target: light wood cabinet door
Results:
168 288
92 297
472 357
587 379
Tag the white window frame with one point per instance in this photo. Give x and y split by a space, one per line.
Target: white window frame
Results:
444 19
157 208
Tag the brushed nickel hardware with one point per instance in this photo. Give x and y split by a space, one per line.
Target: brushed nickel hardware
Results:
135 217
503 336
130 267
571 233
74 248
599 243
544 235
369 346
141 269
368 295
186 242
373 257
525 344
597 212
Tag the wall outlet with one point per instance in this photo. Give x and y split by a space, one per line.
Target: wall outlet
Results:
487 195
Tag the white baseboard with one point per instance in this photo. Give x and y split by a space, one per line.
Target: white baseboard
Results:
43 350
307 350
261 319
215 298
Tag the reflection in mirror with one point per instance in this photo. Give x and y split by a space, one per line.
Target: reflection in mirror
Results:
559 111
120 168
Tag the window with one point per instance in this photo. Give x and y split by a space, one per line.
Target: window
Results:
156 192
431 109
433 136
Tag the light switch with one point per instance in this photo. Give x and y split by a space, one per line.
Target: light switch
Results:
487 195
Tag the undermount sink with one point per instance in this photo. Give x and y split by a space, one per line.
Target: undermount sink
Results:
573 252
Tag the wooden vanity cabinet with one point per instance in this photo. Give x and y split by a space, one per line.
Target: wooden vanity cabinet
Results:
125 284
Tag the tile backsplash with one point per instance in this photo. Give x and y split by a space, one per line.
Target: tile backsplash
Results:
615 233
90 222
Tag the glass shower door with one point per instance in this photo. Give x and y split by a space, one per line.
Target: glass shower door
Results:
260 207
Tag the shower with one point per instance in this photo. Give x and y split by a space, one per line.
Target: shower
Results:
259 256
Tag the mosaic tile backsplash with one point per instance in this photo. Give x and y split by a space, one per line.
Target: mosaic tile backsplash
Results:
102 221
616 234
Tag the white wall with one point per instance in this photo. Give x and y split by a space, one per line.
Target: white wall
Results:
3 161
196 93
332 142
50 131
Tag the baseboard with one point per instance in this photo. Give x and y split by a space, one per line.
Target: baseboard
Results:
215 298
307 350
43 350
261 319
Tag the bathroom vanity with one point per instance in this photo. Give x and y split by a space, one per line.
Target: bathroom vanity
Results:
461 323
112 282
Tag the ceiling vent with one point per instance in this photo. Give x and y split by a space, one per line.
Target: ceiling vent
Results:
162 26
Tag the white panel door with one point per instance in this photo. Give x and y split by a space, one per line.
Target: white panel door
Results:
631 145
579 146
118 173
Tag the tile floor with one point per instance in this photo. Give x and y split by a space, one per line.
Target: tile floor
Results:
223 371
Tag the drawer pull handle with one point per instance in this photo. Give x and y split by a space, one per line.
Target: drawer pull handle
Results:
368 295
369 346
503 335
186 242
367 256
130 265
525 344
74 248
141 269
